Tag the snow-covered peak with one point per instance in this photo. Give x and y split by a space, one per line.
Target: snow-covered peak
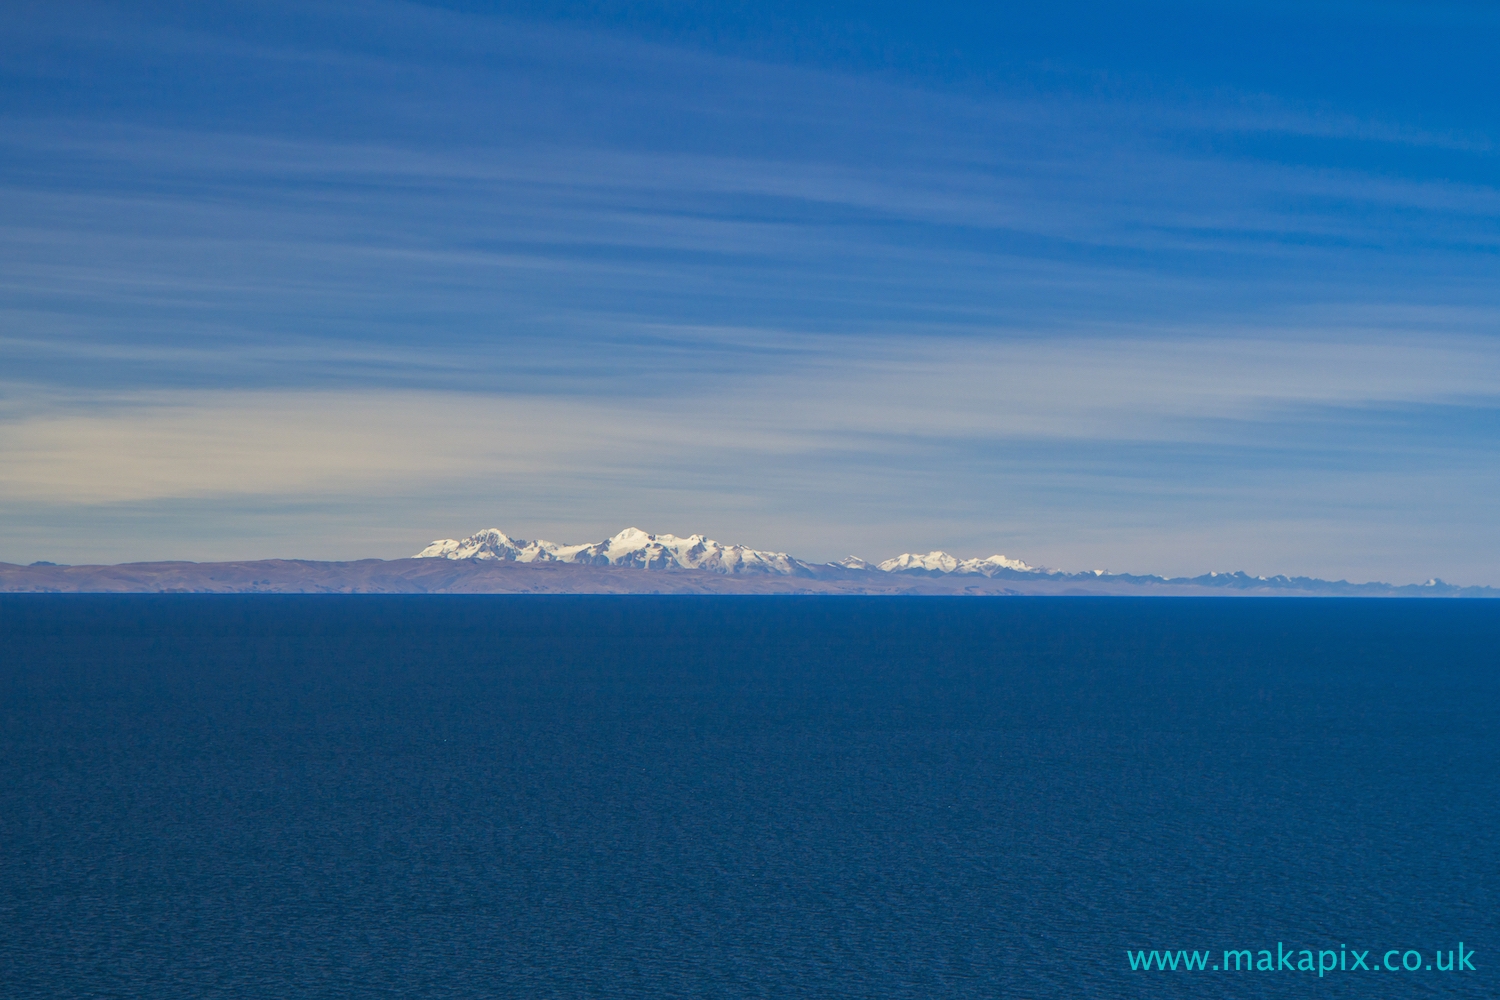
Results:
942 562
997 562
492 543
631 547
932 562
637 548
634 540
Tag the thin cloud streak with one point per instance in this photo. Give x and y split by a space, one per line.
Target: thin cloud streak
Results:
558 280
991 443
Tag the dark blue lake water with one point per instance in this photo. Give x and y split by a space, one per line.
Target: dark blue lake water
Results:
745 797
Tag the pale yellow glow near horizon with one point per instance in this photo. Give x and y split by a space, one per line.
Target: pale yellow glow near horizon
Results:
163 444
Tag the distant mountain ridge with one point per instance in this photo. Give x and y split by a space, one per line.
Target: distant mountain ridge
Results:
636 562
631 547
634 548
637 548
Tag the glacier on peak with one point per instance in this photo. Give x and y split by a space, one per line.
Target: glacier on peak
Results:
631 547
942 562
636 548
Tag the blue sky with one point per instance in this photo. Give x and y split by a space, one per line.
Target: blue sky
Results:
1157 289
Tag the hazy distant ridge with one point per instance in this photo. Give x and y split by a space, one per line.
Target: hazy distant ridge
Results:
631 547
634 548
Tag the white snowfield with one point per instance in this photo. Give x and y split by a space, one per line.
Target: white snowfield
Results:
634 547
631 547
942 562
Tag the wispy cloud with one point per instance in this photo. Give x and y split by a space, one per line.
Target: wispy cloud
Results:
960 443
553 280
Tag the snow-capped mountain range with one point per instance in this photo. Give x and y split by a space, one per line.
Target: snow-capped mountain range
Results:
636 548
631 547
756 568
487 563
